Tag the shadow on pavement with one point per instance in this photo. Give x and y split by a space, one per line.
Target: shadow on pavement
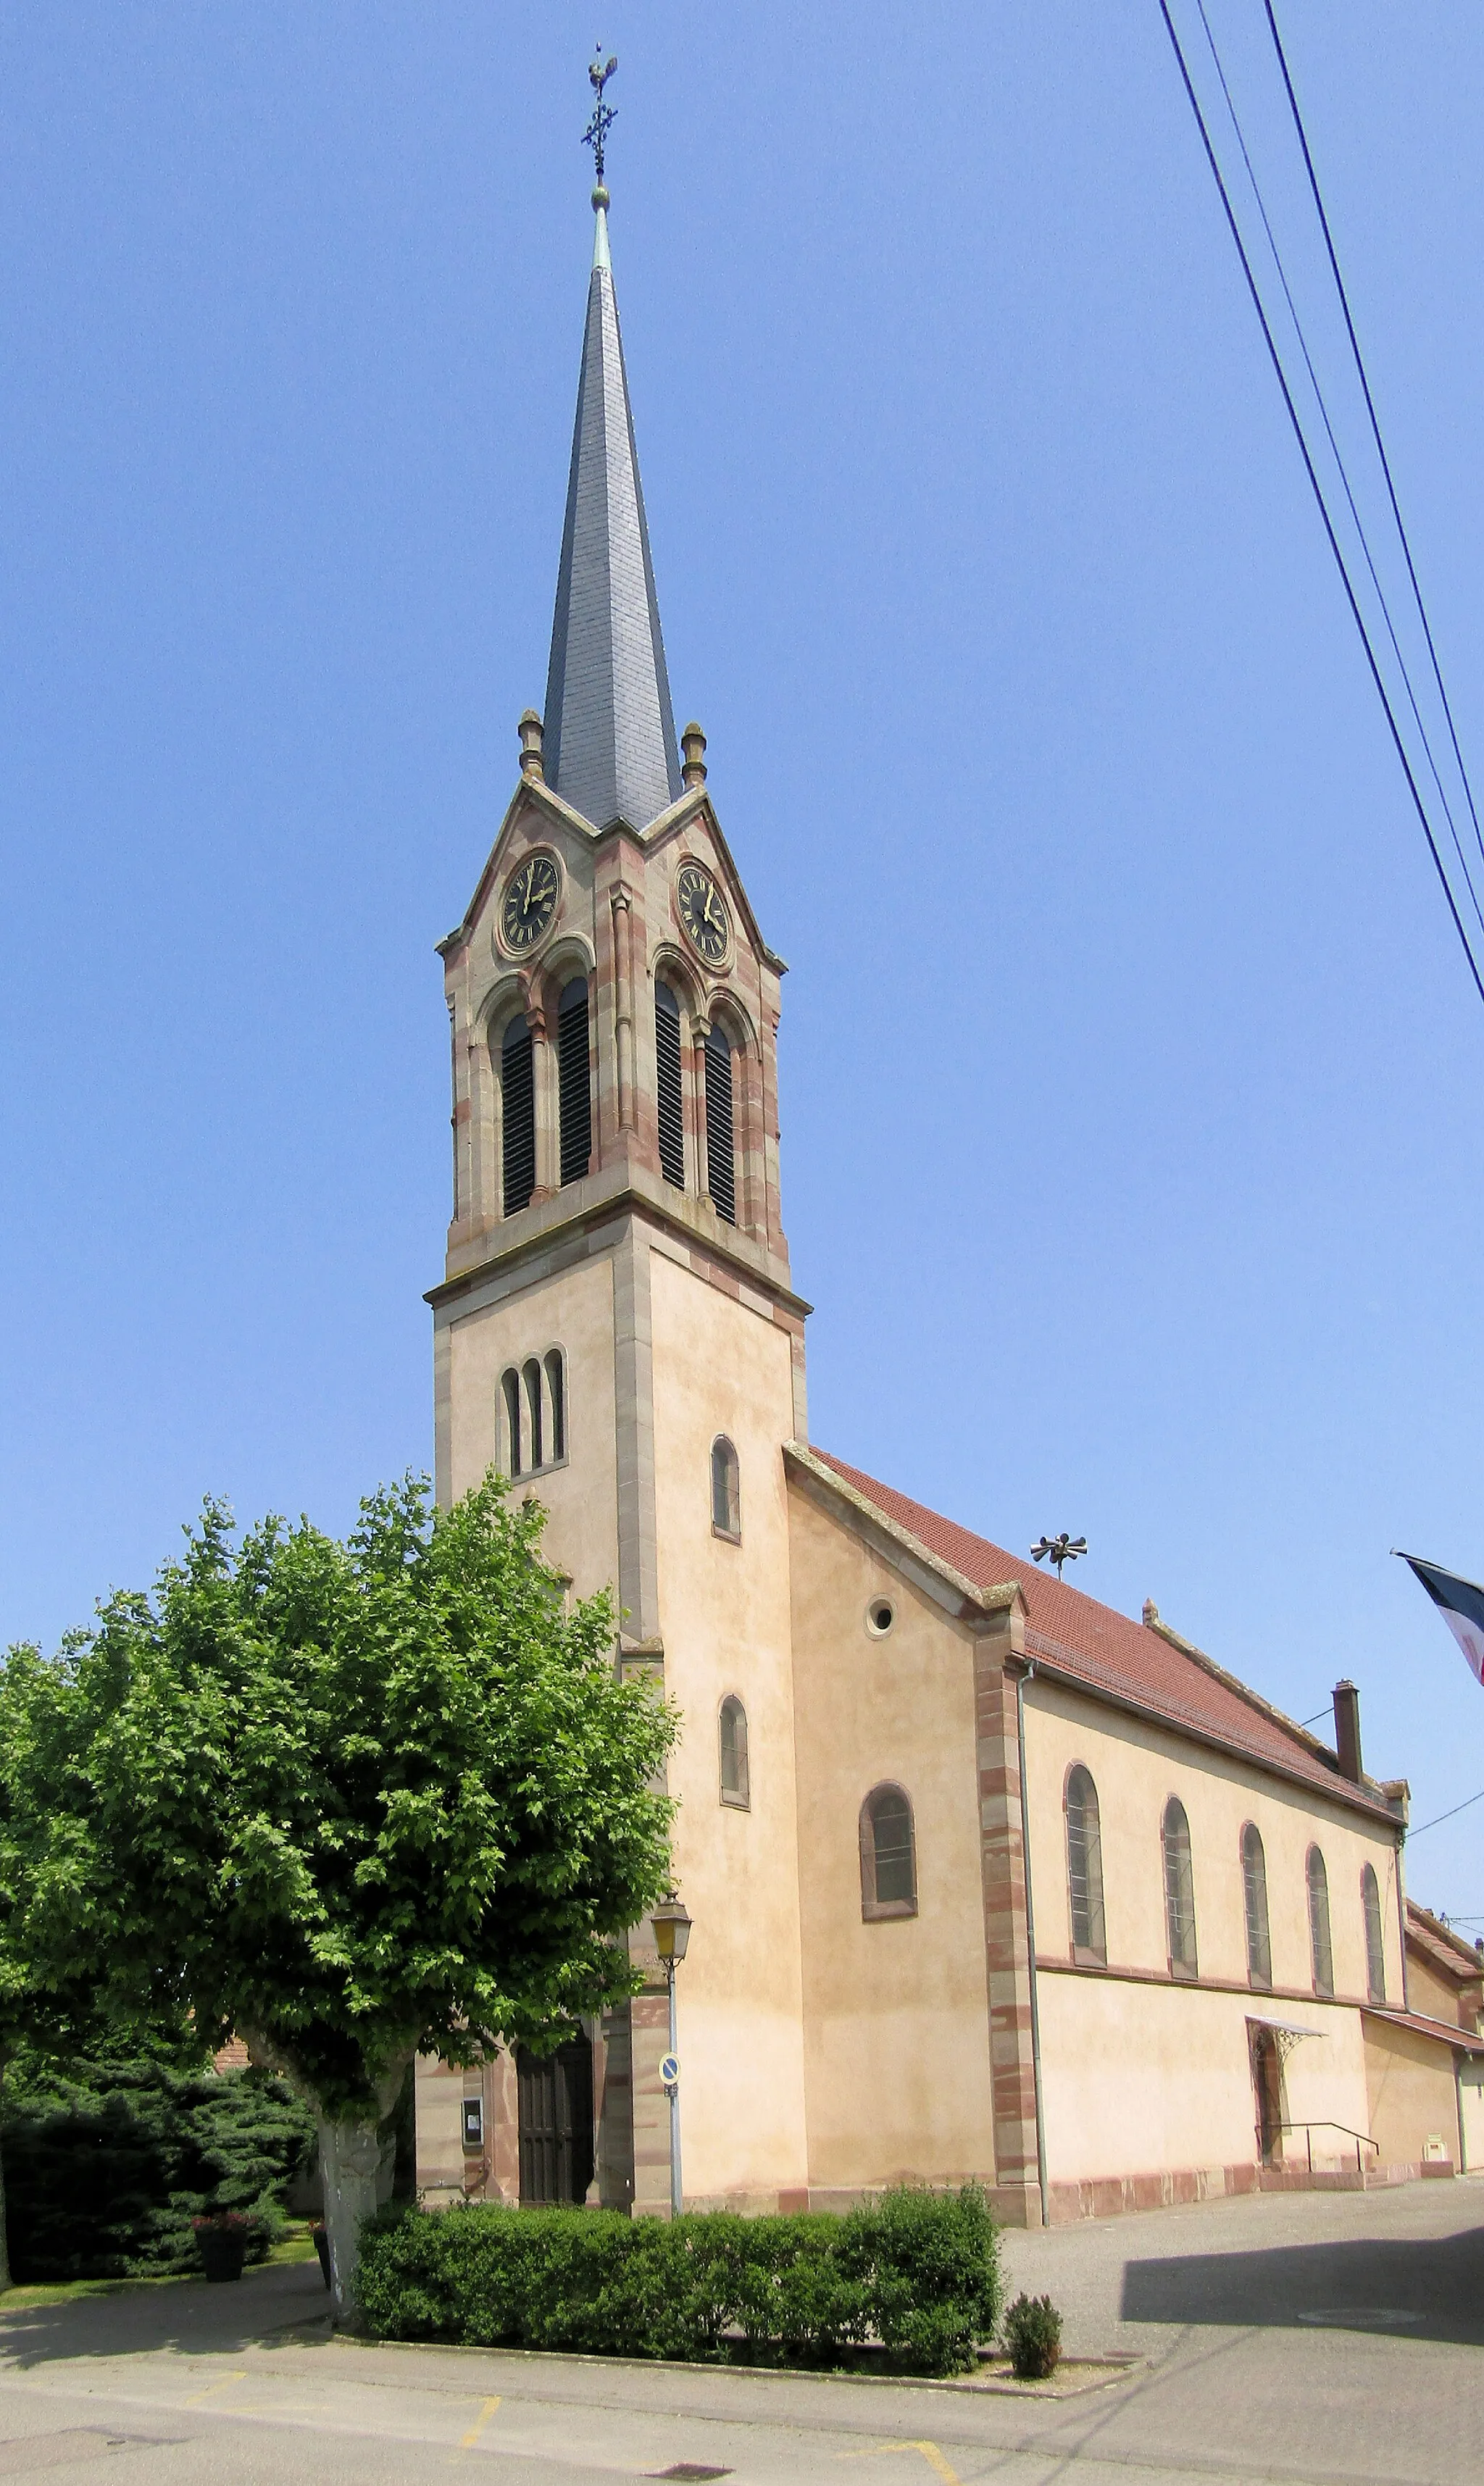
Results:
194 2318
1424 2290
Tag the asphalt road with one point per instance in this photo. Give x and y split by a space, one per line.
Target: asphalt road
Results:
1313 2339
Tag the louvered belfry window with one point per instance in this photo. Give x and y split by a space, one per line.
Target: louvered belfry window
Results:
573 1090
672 1106
517 1095
721 1155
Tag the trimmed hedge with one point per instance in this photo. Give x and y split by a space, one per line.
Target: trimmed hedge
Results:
912 2276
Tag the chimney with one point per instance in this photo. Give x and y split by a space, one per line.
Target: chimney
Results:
1347 1730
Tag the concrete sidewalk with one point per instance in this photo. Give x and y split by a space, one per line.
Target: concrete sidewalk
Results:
1313 2339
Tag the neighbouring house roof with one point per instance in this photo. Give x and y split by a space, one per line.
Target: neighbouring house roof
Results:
1442 1948
1462 2040
1143 1664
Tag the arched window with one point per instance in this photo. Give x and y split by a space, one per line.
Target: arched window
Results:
514 1429
671 1092
732 1725
721 1156
1085 1866
1255 1895
1179 1891
1320 1952
556 1400
574 1100
889 1866
726 1490
517 1103
1375 1945
536 1428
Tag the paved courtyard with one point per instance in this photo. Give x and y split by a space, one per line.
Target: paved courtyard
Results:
1313 2337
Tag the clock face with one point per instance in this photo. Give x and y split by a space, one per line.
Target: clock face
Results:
702 911
530 902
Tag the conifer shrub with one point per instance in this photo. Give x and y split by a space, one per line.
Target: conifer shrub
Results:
108 2159
911 2278
1033 2335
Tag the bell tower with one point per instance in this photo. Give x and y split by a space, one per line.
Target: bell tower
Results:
616 1321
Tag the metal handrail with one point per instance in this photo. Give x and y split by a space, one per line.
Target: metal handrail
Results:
1323 2123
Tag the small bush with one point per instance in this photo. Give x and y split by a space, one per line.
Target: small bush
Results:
109 2159
915 2271
1033 2335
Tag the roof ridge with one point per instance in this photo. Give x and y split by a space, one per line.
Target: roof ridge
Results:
1290 1725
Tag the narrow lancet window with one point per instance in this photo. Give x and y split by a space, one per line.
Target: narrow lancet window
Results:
509 1392
721 1155
726 1489
1179 1891
556 1398
889 1864
1085 1868
517 1105
536 1428
573 1090
735 1787
1375 1944
1320 1950
670 1097
1254 1896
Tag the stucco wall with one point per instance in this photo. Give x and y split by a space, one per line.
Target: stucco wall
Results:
897 2013
1136 1767
1413 2099
720 1366
574 1310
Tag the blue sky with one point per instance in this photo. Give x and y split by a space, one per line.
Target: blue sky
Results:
1131 1075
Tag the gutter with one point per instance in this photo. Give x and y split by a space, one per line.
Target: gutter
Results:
1020 1682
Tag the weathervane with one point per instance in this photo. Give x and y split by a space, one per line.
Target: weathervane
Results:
1058 1550
596 135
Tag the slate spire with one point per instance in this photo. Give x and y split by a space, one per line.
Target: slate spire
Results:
610 732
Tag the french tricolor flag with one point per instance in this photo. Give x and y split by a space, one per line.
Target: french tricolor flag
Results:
1462 1606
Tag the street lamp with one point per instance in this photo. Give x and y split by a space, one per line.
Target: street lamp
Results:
672 1925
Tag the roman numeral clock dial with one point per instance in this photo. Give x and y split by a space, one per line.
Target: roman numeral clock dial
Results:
530 902
702 911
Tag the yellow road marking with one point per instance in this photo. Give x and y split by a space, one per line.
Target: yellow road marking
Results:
929 2451
220 2385
478 2427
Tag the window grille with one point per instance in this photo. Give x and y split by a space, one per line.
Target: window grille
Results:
1254 1895
1375 1945
517 1093
726 1488
574 1096
1179 1891
889 1875
735 1787
721 1153
556 1390
514 1429
1085 1866
671 1096
1320 1950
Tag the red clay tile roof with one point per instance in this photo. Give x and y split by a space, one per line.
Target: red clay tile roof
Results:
1107 1650
1448 1950
1465 2039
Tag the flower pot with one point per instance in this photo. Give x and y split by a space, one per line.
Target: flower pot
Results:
323 2248
223 2251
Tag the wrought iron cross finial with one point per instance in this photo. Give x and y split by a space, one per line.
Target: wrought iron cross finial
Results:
596 135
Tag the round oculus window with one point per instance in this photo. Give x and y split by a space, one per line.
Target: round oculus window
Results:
880 1616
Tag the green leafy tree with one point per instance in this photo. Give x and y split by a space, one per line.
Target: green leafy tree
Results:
356 1801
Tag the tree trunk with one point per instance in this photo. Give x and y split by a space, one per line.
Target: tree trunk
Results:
350 2165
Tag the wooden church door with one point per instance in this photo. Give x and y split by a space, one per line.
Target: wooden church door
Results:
555 2104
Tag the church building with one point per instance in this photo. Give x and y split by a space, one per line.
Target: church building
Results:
986 1880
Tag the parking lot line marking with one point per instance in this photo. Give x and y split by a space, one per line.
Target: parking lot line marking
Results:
929 2451
220 2385
475 2431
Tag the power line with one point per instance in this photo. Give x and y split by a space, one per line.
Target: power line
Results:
1319 498
1447 1816
1371 408
1344 476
